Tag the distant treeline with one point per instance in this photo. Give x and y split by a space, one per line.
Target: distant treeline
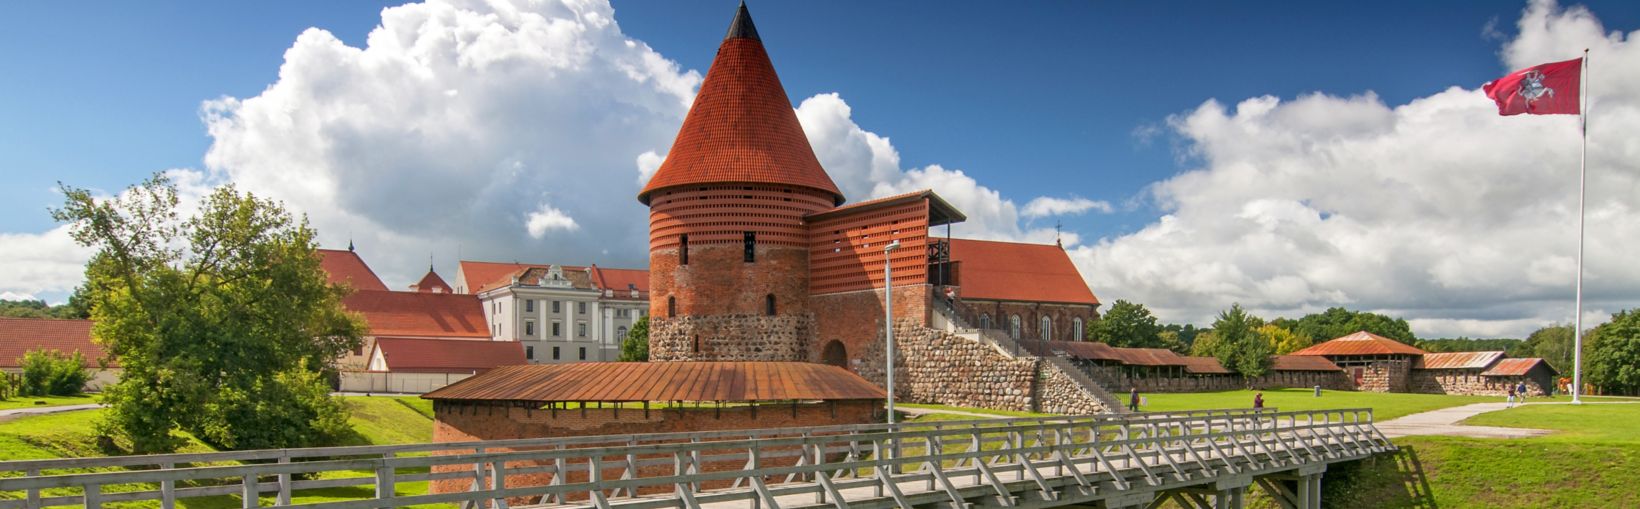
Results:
1515 347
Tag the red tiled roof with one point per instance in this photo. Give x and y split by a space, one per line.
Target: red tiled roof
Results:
1149 357
347 268
1517 367
1204 366
741 128
22 335
1457 360
431 283
416 314
1087 350
1362 343
662 381
991 270
417 355
619 279
476 275
1302 363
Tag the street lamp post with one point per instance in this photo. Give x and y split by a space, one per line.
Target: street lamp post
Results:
888 323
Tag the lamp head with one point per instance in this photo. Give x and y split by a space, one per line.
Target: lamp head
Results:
891 246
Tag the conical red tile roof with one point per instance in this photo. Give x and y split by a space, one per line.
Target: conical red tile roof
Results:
741 128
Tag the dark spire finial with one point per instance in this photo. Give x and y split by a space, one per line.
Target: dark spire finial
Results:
350 245
741 27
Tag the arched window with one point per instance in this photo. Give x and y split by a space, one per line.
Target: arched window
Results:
768 304
671 307
683 250
984 320
1047 328
1076 329
1013 327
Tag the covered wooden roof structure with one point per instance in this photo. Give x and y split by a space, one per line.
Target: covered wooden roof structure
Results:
1302 363
1361 343
1518 367
661 381
1457 360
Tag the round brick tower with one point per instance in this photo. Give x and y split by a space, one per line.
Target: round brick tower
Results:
728 250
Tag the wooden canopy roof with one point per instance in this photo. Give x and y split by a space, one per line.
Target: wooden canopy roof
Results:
661 381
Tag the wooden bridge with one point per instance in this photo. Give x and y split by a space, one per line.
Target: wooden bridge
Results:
1195 459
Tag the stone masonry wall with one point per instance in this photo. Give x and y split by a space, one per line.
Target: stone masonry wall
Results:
937 367
731 338
1469 383
1057 392
1386 376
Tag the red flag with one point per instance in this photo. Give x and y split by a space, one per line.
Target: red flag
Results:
1548 89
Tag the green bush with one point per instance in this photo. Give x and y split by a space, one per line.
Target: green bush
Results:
5 387
53 373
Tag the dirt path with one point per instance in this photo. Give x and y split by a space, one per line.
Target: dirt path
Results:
6 415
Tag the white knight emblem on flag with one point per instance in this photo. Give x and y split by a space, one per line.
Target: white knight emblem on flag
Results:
1532 88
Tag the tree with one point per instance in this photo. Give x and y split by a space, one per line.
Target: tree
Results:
1127 325
1338 322
1552 344
1614 354
1206 345
1464 344
76 307
1282 341
224 323
53 373
1170 340
635 347
1186 333
1238 344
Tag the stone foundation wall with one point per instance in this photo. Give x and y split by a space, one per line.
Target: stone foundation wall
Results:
1470 383
1386 376
1058 392
937 367
731 338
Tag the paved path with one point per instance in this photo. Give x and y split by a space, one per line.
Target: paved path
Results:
914 412
1446 421
6 415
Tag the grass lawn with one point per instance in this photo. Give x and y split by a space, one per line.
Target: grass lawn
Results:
36 401
1385 406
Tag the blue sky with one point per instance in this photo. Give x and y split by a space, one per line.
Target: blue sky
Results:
1030 99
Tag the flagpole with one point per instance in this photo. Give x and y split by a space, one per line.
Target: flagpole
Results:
1582 186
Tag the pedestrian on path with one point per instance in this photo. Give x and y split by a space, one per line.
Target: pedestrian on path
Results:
1520 390
1258 402
1133 399
1511 397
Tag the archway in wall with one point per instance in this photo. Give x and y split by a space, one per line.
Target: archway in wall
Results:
835 354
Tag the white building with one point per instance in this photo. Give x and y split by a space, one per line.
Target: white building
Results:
560 313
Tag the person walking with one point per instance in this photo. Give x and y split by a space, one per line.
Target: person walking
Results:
1133 399
1520 391
1258 402
1511 397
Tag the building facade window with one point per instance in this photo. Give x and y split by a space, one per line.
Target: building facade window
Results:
557 306
529 327
751 247
555 353
529 351
580 329
557 328
1076 329
1013 327
768 304
984 320
581 308
583 353
529 305
620 332
1047 328
683 250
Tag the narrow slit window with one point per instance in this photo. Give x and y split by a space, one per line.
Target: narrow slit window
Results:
768 304
751 247
671 307
683 250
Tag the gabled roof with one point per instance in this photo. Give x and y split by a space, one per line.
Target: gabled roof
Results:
416 314
483 276
1013 271
622 281
346 267
1085 350
19 336
431 283
1457 360
1518 367
741 128
1149 357
1205 366
416 355
662 381
476 275
1362 343
1302 363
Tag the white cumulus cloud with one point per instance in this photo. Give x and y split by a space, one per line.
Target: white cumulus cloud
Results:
1044 206
546 219
1437 210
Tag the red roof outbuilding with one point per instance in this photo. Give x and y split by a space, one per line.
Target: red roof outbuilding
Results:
1518 367
1457 360
19 336
741 128
1362 343
1014 271
1302 363
417 355
663 381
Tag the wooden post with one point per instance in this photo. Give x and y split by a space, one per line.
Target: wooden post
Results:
34 493
384 480
167 491
284 483
93 496
249 497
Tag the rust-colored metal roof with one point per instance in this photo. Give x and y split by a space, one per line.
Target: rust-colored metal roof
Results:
741 127
1518 367
1457 360
1149 357
1204 366
662 381
1362 343
1302 363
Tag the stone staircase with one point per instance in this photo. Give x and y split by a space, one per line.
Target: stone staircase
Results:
948 320
1081 378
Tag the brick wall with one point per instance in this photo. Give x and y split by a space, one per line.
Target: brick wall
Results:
855 321
1030 316
457 423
